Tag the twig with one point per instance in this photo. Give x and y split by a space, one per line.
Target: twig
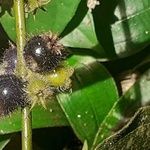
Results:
21 71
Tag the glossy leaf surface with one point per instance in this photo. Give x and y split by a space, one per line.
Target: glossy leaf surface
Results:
93 95
138 95
121 27
56 16
84 36
53 116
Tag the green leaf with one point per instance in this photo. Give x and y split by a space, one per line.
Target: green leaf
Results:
93 95
57 15
122 29
4 140
136 96
41 118
131 32
132 134
84 36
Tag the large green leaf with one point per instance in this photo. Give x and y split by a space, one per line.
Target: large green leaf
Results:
57 15
93 95
53 116
131 32
121 28
84 36
136 96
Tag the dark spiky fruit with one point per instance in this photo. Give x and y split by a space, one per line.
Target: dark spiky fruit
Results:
10 59
43 53
12 95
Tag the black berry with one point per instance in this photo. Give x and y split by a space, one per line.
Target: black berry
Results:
43 53
10 59
12 94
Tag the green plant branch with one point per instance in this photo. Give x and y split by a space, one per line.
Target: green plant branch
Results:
26 129
21 71
21 35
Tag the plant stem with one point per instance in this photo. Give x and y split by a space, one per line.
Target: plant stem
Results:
21 35
26 129
21 71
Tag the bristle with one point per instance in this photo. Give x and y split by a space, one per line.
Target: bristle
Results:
12 95
45 51
10 58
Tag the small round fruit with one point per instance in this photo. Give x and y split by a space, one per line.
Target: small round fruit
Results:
10 59
43 53
12 94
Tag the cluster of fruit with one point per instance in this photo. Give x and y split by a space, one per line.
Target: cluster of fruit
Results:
47 74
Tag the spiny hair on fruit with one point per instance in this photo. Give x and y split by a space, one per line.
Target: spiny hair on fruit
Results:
12 94
10 58
44 53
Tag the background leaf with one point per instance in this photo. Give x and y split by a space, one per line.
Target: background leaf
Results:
122 29
84 36
94 93
132 134
131 32
41 118
138 95
57 15
138 139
